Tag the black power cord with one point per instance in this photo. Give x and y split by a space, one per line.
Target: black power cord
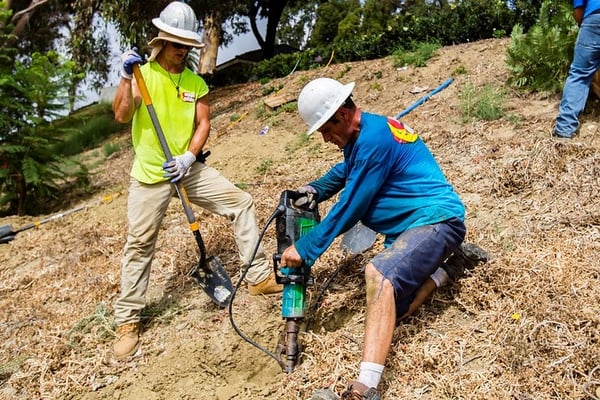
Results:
278 211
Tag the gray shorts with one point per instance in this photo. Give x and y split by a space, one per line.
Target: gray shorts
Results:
415 255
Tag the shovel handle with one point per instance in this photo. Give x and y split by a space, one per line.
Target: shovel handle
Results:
148 101
424 98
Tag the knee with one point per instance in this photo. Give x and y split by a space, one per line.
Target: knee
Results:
377 286
372 274
245 200
375 280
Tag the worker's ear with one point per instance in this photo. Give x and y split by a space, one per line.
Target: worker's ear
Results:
342 114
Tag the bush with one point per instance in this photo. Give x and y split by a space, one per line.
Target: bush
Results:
486 103
539 60
87 129
418 57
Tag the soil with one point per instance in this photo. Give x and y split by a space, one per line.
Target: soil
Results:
525 325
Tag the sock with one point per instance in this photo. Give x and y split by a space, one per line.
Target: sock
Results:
370 374
439 277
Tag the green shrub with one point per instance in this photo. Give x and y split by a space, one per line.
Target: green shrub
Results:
418 57
87 129
539 59
264 167
110 148
485 103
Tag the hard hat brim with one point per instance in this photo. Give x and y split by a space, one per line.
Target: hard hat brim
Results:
169 37
181 34
344 94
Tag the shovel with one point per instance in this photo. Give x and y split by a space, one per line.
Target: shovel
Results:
209 274
7 233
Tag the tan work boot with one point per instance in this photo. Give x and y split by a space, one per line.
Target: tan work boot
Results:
127 341
268 286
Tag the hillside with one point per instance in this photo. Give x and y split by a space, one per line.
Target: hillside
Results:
526 325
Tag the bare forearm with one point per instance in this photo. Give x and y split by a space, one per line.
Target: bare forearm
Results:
124 103
578 14
199 139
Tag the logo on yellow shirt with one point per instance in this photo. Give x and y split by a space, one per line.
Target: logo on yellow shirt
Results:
401 133
188 97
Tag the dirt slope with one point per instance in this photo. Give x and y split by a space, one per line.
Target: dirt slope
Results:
524 326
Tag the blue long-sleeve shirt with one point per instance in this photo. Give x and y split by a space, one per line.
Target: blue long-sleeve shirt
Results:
391 183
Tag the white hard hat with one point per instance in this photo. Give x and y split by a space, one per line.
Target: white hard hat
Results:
178 19
320 99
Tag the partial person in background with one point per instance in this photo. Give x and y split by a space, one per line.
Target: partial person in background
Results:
586 61
180 99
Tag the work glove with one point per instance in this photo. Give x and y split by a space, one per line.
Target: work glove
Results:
308 200
178 166
129 58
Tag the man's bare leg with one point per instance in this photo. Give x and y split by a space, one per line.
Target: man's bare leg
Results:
381 316
421 295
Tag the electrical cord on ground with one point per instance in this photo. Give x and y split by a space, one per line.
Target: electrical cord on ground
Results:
278 211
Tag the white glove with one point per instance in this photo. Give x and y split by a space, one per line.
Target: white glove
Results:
129 58
178 166
309 200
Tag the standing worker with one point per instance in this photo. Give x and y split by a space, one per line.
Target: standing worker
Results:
392 183
182 107
586 61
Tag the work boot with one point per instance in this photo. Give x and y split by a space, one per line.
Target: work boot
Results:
127 341
466 257
359 391
266 287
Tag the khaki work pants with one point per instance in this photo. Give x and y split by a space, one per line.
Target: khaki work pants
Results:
146 207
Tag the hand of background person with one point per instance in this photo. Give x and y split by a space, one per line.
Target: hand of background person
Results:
129 58
309 198
178 166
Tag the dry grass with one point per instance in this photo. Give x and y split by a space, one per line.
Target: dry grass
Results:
523 326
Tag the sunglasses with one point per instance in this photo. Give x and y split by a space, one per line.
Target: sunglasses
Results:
180 46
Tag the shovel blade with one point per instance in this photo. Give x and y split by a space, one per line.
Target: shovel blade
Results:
358 239
6 234
214 280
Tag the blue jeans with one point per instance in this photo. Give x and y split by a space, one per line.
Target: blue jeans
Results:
415 255
586 60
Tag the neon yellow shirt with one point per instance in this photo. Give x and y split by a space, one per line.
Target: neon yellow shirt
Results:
175 114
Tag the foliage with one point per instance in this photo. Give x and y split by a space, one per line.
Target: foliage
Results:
297 19
485 103
418 57
539 59
328 16
110 148
86 129
72 25
33 93
284 64
451 23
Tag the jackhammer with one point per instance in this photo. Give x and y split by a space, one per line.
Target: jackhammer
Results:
291 224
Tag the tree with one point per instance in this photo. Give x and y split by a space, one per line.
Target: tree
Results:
32 93
329 15
214 16
37 25
273 11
